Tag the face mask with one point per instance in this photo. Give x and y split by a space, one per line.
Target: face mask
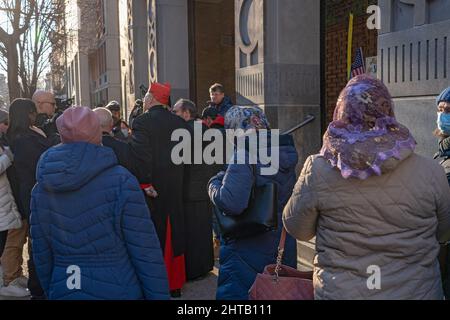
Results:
125 132
443 122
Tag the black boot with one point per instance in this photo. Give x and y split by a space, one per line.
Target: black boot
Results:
175 293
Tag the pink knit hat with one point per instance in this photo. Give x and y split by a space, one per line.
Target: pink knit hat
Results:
79 124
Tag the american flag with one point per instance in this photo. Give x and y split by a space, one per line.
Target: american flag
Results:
358 67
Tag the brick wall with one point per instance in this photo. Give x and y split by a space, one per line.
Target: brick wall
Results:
337 17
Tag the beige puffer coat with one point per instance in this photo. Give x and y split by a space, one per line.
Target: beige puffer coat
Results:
392 222
10 217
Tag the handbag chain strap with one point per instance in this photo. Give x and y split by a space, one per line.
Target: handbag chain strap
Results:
280 253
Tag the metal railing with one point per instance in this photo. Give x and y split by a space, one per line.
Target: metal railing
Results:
310 118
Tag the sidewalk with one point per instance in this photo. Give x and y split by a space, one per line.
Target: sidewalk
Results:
1 284
199 290
204 289
25 271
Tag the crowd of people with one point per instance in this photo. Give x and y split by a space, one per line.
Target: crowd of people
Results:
95 194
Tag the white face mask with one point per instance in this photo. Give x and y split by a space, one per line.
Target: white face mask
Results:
125 132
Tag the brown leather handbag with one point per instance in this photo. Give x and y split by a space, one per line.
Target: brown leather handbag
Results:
280 282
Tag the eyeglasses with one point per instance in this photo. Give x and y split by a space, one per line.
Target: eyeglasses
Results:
52 103
444 109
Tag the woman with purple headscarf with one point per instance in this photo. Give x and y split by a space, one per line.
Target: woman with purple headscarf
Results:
377 209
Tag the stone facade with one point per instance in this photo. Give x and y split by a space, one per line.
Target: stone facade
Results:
278 68
80 25
93 52
274 67
414 56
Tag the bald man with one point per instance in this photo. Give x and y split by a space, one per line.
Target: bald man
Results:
120 148
46 119
45 103
106 120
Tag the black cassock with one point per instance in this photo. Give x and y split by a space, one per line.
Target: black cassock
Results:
152 147
198 217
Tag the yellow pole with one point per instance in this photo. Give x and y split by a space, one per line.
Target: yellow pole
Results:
349 46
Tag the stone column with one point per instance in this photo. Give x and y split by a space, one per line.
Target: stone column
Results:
85 90
278 64
140 45
413 59
112 42
169 50
278 68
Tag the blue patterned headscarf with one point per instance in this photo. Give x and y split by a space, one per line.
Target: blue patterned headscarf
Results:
246 118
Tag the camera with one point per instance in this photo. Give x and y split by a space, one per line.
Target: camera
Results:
143 89
63 104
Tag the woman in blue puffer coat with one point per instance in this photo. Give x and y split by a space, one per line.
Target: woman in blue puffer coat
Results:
92 235
241 260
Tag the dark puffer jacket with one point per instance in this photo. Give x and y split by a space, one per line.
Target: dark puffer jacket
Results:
241 260
224 106
88 212
444 156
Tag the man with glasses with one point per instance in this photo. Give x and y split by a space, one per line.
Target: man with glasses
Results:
114 108
199 252
46 120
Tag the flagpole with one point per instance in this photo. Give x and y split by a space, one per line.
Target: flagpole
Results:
349 45
363 60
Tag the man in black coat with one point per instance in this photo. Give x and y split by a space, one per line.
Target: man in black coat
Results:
197 206
161 179
114 107
213 120
121 149
46 118
138 109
